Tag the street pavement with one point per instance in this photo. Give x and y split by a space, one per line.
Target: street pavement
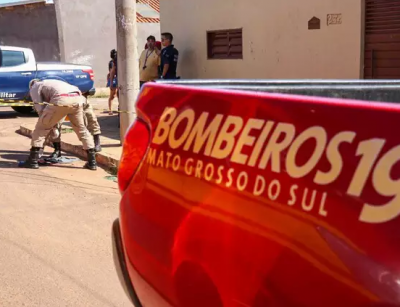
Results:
55 224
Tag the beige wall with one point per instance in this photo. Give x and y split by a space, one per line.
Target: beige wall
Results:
276 39
144 30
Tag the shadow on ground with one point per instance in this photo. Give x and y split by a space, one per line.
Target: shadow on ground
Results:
14 157
109 127
9 114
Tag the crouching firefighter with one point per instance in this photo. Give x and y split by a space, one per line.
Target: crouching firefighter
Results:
63 100
91 123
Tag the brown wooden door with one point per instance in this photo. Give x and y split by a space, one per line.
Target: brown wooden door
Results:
382 39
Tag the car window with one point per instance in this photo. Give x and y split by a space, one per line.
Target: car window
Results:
11 58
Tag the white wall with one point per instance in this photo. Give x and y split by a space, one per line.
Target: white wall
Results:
144 31
277 42
87 33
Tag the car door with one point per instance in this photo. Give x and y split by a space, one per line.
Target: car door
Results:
16 71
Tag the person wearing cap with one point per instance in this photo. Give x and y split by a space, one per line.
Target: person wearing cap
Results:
63 100
149 62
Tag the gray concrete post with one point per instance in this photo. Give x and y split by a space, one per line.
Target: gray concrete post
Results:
128 65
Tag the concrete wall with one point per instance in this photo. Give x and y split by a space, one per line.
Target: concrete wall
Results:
144 31
87 34
32 27
87 31
276 39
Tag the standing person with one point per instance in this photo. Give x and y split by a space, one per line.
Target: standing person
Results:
112 80
169 57
149 62
114 73
65 100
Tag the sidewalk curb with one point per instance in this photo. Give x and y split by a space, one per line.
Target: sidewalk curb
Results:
103 159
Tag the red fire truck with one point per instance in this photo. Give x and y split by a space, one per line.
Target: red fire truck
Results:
250 198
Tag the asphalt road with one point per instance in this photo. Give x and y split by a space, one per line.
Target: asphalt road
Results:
55 240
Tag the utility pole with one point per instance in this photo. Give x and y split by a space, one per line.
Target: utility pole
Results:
128 67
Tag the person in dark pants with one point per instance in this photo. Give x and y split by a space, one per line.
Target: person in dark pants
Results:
169 57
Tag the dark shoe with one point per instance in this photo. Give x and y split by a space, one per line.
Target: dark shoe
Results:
32 161
91 163
57 152
97 146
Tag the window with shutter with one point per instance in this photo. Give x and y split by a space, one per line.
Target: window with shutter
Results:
225 44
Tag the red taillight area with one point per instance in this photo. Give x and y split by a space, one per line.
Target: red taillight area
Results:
134 150
90 72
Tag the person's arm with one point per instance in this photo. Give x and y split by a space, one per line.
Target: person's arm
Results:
158 63
36 95
109 70
37 99
110 66
112 75
167 60
165 70
141 61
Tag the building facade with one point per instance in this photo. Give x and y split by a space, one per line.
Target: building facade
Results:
73 31
31 25
285 39
87 31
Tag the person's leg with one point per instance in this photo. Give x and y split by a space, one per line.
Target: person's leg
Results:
78 125
110 99
76 118
39 110
50 116
91 120
93 125
119 114
56 131
55 137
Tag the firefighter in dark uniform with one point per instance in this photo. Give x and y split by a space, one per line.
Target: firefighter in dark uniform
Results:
169 57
